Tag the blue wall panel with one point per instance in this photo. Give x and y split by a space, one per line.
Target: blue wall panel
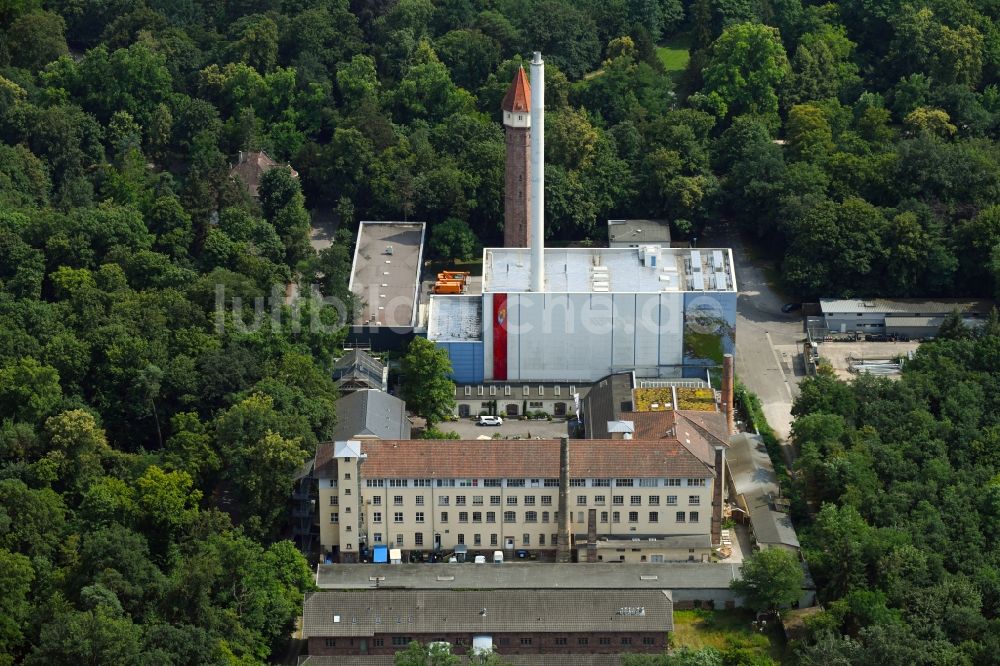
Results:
466 361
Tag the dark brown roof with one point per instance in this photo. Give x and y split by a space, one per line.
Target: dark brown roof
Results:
650 425
518 97
712 424
252 166
607 398
696 430
566 659
325 463
527 458
369 612
680 424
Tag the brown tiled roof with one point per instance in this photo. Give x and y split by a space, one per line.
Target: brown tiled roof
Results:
713 424
518 97
692 428
369 612
251 169
650 425
527 458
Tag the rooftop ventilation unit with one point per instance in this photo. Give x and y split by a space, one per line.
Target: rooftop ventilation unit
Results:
648 255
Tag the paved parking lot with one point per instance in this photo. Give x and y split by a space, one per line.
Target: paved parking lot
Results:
510 429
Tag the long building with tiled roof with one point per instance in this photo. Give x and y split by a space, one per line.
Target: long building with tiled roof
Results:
524 458
533 622
435 498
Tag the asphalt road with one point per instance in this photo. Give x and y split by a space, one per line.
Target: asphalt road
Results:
766 339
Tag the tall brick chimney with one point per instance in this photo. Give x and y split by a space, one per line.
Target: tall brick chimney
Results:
591 535
728 382
562 540
517 168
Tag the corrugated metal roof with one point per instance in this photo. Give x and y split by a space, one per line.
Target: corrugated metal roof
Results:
369 612
929 322
915 306
533 575
772 527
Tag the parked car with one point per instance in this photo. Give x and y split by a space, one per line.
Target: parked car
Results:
791 307
489 421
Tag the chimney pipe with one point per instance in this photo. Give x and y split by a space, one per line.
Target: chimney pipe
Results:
537 172
562 543
591 535
728 380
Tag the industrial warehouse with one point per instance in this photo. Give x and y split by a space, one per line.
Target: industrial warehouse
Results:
907 317
549 315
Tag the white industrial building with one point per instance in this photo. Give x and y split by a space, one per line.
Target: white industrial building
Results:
911 317
659 311
576 315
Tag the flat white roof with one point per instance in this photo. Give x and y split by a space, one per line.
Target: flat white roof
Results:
906 306
646 269
455 318
385 276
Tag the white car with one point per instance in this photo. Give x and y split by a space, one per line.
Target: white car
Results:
489 421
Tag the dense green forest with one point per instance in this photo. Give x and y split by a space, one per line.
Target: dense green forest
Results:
898 491
147 440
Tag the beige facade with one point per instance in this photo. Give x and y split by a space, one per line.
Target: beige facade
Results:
512 399
507 513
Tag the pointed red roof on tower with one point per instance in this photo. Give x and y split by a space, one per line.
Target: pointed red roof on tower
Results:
518 97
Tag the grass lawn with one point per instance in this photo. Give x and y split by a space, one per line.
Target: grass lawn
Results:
475 267
725 629
674 54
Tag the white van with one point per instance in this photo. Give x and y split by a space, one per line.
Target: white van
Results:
490 421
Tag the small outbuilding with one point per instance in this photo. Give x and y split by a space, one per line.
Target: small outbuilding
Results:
909 317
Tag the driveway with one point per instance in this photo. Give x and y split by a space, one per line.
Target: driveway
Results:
324 226
767 340
510 429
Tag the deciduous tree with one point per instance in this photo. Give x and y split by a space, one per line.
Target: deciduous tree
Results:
747 65
427 389
771 578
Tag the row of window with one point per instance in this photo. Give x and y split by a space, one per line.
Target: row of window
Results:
525 390
582 640
530 517
477 539
477 500
533 483
529 500
402 641
636 500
